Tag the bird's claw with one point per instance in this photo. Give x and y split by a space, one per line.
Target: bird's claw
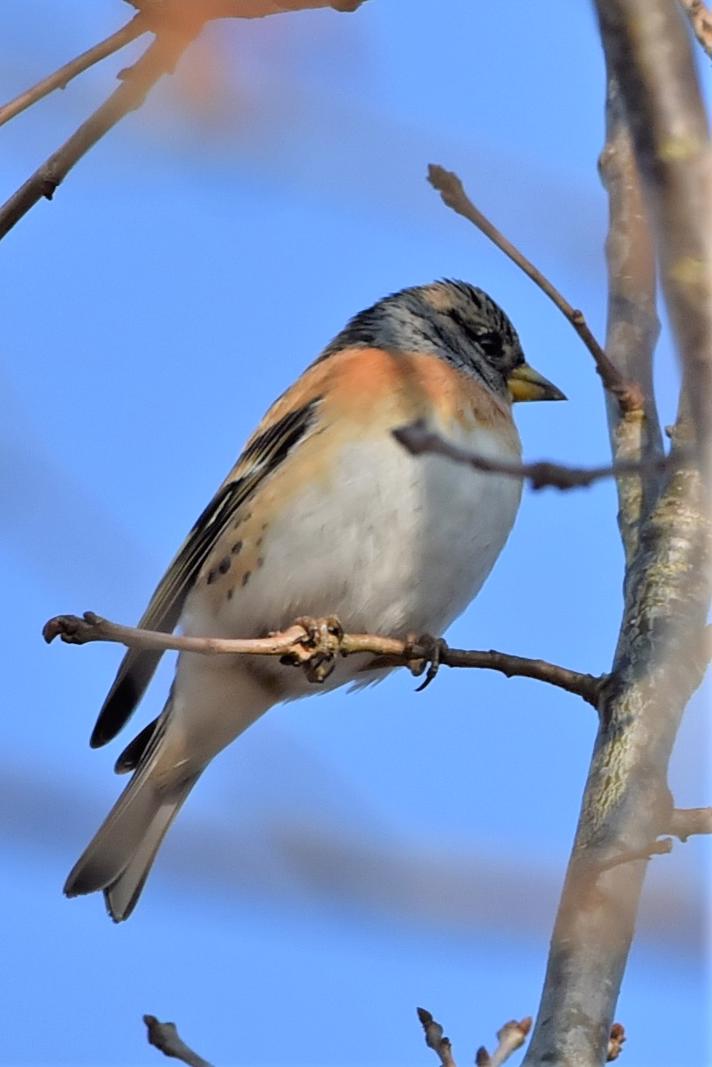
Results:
434 647
316 651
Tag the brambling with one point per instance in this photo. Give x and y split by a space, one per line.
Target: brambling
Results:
323 514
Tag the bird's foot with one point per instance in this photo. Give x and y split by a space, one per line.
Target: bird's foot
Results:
317 650
433 647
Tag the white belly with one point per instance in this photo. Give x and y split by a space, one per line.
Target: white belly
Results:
392 544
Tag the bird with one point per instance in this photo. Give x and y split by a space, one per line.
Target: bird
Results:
324 514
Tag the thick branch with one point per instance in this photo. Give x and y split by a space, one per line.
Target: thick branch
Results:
164 1037
632 328
649 52
657 664
61 77
303 645
453 194
418 439
626 804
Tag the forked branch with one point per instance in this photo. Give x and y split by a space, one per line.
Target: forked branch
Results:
62 77
159 58
175 24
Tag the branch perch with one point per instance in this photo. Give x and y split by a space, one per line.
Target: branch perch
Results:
315 647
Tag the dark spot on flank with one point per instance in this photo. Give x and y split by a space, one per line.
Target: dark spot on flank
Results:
229 593
245 577
260 561
264 525
258 542
212 575
224 565
236 547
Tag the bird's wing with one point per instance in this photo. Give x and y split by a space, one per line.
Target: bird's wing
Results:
274 439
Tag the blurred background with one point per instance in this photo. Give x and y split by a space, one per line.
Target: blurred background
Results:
353 856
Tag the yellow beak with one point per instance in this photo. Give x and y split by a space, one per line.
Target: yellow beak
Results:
524 383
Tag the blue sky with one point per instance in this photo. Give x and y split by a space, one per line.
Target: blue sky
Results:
353 856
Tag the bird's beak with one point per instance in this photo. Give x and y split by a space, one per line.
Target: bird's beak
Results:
524 383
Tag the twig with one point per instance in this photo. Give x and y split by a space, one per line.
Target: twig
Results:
700 18
61 77
510 1038
164 1037
615 1042
454 196
684 822
646 852
301 645
435 1038
159 58
418 439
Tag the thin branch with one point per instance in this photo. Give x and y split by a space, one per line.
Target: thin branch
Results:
176 23
700 17
684 822
435 1038
454 196
61 77
159 58
164 1037
418 439
510 1039
305 645
243 9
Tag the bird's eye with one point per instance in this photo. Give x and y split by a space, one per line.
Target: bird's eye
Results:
490 343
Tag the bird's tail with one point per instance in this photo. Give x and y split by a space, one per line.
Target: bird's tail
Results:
120 855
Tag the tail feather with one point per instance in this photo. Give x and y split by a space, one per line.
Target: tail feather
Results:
119 857
121 896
